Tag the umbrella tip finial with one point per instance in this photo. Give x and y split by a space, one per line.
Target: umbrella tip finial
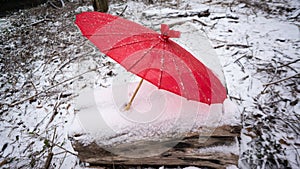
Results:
166 33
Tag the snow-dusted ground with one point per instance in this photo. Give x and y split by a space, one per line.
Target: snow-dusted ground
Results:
42 50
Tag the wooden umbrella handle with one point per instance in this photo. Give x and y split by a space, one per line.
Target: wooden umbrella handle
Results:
128 105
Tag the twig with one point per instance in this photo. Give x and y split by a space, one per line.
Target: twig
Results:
56 7
50 154
227 16
61 163
238 45
202 23
121 14
232 45
239 64
275 73
219 46
54 133
2 163
36 134
36 91
64 64
289 63
41 122
55 112
40 21
281 53
236 98
48 161
21 101
281 80
245 55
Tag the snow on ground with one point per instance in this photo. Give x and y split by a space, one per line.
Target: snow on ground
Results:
43 55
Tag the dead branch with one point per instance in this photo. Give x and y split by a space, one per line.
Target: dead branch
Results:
281 80
50 154
48 161
200 14
28 98
40 21
297 60
64 65
54 144
238 45
62 4
4 162
36 91
202 23
244 56
226 16
219 46
55 112
241 65
61 163
232 45
121 14
236 98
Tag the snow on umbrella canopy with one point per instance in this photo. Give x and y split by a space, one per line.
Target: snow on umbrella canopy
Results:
152 56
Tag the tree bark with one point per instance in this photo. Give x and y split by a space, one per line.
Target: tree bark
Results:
100 5
186 152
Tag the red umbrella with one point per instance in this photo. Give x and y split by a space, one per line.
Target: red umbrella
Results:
152 56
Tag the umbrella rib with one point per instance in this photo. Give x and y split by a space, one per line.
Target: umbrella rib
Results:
127 44
179 72
109 34
143 56
204 82
162 66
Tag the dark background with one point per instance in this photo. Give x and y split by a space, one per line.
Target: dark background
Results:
7 6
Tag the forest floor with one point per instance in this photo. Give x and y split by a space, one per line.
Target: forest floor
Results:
258 44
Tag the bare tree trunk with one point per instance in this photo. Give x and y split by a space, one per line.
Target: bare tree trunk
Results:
100 5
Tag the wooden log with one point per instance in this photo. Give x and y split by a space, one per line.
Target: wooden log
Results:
185 151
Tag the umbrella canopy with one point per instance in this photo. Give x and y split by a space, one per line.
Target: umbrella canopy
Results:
152 56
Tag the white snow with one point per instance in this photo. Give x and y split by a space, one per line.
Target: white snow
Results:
272 39
156 112
231 149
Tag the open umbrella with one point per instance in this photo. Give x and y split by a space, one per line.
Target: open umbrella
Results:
152 56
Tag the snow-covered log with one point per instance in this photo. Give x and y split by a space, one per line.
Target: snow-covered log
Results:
218 151
183 133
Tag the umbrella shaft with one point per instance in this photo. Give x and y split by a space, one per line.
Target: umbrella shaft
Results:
133 96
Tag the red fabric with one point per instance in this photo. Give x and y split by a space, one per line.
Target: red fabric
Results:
165 30
152 56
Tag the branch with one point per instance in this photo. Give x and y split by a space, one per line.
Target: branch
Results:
281 80
55 6
232 45
202 23
54 144
121 14
50 154
289 63
226 16
21 101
